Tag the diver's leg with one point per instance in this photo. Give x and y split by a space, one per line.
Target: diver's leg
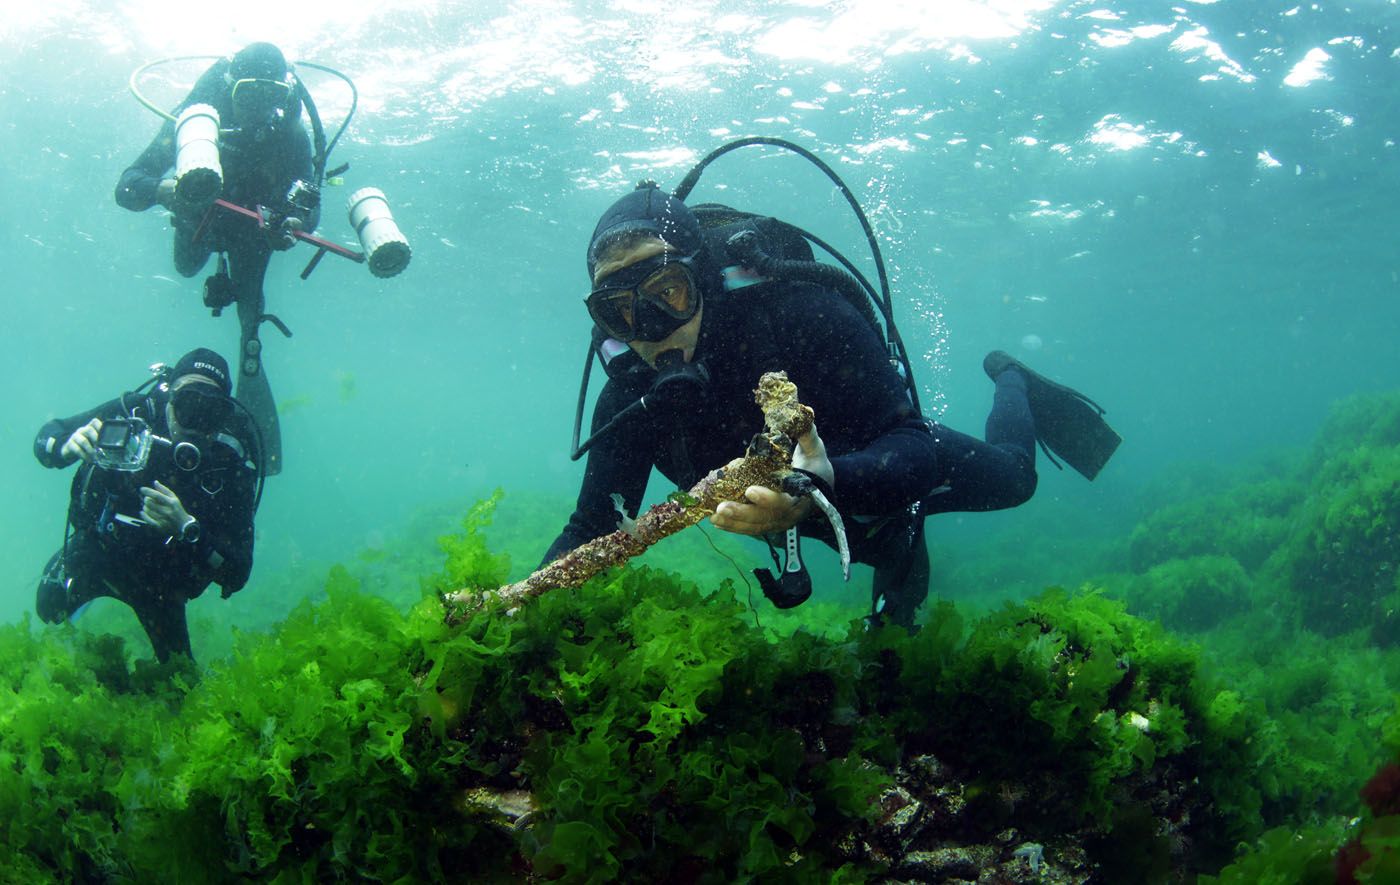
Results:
1010 424
72 579
144 584
993 475
900 587
162 616
894 546
247 267
1065 421
51 600
190 254
973 475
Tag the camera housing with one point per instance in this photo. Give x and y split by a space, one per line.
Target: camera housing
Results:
303 197
123 444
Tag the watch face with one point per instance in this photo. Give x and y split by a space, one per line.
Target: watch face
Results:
190 533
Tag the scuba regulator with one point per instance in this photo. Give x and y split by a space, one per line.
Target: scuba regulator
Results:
677 384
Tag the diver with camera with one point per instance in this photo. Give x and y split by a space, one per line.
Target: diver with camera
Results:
241 176
163 502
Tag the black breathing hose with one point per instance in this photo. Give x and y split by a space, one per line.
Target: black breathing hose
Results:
883 300
745 246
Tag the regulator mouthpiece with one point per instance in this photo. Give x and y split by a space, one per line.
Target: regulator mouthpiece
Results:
199 177
385 247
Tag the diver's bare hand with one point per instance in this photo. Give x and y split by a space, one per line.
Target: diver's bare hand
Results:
160 507
763 510
83 443
283 237
811 457
165 193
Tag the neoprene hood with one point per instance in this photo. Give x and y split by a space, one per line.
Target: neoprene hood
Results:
206 363
648 208
258 61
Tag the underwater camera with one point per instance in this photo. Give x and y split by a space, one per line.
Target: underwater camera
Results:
303 197
123 444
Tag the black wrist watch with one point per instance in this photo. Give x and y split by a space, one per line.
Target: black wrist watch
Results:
189 532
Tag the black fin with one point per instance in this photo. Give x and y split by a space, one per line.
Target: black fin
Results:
255 394
1067 422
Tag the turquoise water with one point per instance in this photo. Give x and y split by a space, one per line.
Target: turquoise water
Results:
1187 212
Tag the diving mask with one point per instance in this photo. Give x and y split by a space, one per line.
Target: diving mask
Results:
257 98
648 300
201 410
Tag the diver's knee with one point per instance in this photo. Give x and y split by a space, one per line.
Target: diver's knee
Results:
190 265
189 258
1023 484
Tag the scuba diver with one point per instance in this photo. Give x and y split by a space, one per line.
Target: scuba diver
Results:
691 306
162 504
236 168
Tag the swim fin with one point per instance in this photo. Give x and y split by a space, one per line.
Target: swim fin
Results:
1067 423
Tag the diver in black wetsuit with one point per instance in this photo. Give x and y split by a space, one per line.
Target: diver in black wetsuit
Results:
265 154
658 288
162 504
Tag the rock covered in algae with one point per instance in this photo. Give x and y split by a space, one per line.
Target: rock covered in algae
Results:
783 414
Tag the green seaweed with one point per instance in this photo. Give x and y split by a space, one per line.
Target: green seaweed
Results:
1341 558
1190 594
1282 856
647 727
655 731
1247 522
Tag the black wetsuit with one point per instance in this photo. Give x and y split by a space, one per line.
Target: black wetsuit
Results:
259 167
892 466
108 555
